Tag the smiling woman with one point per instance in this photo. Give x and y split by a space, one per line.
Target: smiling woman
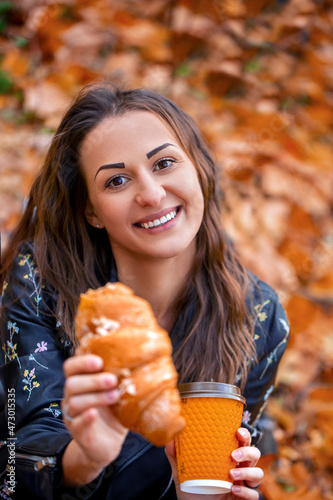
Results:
147 196
128 192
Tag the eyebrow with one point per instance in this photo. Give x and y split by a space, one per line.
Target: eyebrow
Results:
156 150
110 165
122 165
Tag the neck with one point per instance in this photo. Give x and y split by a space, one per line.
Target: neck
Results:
159 281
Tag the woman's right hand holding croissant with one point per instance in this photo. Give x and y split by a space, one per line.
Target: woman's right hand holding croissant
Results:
97 435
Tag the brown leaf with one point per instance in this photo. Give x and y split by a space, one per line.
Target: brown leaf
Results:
224 77
279 181
322 288
300 256
301 313
151 39
71 77
292 370
254 7
47 101
284 418
15 63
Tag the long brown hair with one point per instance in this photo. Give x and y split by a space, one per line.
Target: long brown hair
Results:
72 256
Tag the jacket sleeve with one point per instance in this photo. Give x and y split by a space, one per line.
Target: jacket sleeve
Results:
33 351
271 337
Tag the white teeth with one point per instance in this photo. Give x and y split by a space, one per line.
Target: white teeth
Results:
159 222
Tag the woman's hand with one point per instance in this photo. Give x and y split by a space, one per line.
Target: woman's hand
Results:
245 475
97 435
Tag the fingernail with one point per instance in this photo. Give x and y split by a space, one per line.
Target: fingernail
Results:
235 489
95 363
237 454
243 432
109 380
236 473
111 396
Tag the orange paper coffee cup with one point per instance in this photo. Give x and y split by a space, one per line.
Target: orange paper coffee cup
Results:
213 413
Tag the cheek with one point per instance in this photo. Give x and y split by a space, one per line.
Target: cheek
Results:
113 212
197 197
199 207
194 202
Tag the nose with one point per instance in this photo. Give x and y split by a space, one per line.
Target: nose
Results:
150 191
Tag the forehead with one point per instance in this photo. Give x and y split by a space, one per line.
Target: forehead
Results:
140 127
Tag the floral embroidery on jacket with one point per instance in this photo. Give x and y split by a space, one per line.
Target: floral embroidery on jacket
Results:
31 384
54 409
26 260
273 355
268 392
5 284
246 417
42 346
10 348
32 358
6 490
285 325
261 315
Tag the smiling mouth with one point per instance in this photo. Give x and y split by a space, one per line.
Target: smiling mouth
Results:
159 222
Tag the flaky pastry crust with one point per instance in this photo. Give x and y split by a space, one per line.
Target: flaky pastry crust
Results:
120 327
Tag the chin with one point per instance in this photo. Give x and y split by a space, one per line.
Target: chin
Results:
171 251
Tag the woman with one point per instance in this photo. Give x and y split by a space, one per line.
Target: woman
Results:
128 192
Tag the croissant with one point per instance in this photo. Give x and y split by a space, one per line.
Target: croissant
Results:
120 327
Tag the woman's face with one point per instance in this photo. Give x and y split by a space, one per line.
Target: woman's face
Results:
142 187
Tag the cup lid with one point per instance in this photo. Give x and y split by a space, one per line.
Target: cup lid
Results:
210 389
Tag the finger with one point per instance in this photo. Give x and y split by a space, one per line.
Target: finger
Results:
86 428
244 437
244 492
252 475
87 363
80 384
77 404
170 451
81 424
246 455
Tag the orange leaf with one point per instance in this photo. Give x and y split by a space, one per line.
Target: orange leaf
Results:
15 63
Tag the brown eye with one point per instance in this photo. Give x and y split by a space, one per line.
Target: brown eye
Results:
116 182
164 163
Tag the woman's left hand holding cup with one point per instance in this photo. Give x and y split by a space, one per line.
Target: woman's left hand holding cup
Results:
246 476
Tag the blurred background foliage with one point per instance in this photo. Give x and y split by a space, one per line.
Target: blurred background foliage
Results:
257 76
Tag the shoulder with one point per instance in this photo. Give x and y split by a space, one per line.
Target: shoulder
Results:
261 290
28 308
21 274
22 287
270 319
22 262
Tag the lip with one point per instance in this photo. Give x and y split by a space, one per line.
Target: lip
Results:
157 215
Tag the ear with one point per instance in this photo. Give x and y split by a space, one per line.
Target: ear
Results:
91 217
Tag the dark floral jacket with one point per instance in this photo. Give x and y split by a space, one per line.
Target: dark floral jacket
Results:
33 436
